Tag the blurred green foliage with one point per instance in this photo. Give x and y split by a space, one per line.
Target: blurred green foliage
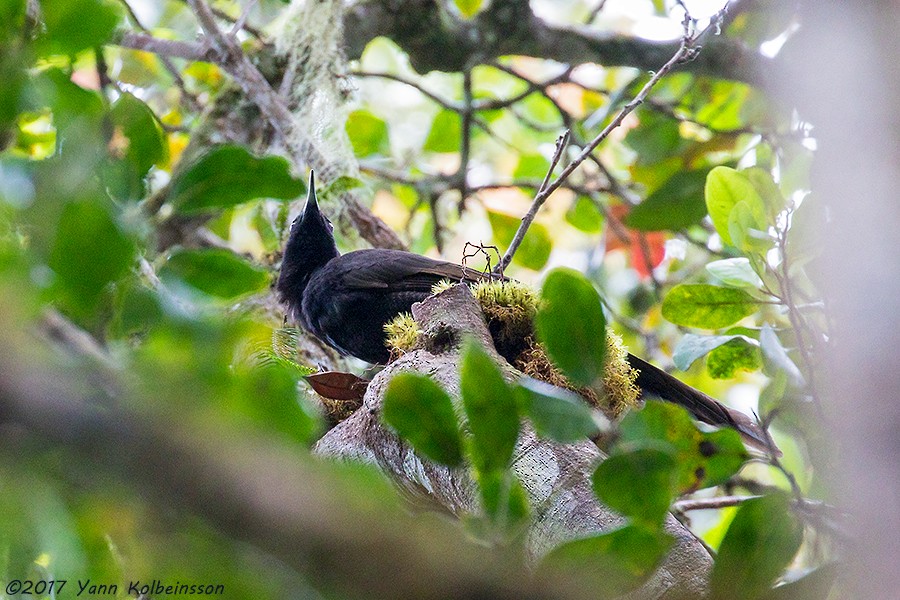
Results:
121 213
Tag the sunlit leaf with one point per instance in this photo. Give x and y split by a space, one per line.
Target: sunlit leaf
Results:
468 8
584 215
534 252
706 306
445 133
421 412
725 188
692 346
368 134
735 272
734 355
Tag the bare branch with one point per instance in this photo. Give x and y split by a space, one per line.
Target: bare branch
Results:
168 48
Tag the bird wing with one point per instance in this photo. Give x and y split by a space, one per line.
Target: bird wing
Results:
401 271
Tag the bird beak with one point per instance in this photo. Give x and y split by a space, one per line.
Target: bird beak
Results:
312 204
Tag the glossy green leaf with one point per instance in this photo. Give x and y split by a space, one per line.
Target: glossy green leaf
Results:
612 563
445 134
556 413
230 175
90 251
584 215
677 204
639 484
702 459
725 188
491 410
759 544
735 272
534 252
74 25
571 325
767 189
691 347
368 134
706 306
421 412
219 273
734 355
468 8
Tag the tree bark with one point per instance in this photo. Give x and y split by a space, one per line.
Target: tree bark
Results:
556 477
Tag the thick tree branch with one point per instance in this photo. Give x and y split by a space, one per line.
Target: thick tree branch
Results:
436 42
555 476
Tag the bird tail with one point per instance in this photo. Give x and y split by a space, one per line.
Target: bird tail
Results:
657 382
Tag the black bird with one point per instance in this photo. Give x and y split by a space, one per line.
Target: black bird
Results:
345 301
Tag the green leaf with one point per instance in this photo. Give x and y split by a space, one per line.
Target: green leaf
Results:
531 166
219 273
691 347
89 252
638 484
421 412
702 459
655 139
491 410
571 325
230 175
725 188
735 272
445 134
767 190
677 204
584 215
738 354
74 25
368 134
762 539
468 8
614 562
535 249
503 498
706 306
747 231
272 386
146 146
555 413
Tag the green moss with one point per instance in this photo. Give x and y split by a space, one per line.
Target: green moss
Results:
402 333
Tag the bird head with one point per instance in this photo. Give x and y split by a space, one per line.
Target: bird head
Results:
309 247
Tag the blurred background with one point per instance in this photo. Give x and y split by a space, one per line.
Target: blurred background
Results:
154 420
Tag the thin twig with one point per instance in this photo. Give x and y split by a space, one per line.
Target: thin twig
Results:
242 19
561 144
169 48
710 503
686 51
465 139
